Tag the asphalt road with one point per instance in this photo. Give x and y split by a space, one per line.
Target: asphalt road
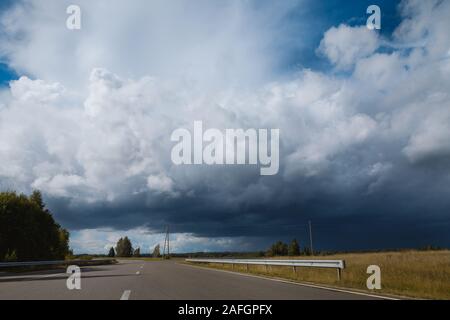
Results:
166 280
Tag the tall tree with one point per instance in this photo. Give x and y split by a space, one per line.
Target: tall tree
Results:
111 253
28 230
124 248
278 249
157 251
294 248
137 253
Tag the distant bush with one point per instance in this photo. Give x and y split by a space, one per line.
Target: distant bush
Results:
85 257
28 230
11 257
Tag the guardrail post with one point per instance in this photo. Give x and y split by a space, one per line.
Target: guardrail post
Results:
339 275
247 267
294 269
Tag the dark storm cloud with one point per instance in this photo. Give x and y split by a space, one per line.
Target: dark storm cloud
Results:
409 209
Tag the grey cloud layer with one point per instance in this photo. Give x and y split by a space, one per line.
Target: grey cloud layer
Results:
373 145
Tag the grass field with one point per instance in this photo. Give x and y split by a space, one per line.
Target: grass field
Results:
417 274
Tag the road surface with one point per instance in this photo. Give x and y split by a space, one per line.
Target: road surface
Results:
165 280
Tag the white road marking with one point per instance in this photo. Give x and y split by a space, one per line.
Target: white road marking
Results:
126 295
295 283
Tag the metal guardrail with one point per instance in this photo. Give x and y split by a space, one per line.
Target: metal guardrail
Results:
52 263
339 265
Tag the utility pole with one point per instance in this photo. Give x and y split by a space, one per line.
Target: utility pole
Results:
311 238
164 249
166 244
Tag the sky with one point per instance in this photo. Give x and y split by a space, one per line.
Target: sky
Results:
86 117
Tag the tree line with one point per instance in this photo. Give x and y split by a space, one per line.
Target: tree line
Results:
28 231
279 249
124 249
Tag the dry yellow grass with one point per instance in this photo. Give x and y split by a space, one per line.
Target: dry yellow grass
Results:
418 274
